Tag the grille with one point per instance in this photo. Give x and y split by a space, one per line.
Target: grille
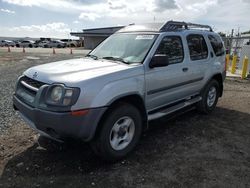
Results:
27 89
31 82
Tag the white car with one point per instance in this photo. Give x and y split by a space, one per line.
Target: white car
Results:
70 42
43 44
27 43
7 43
55 44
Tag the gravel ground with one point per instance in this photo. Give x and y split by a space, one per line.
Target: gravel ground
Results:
37 51
190 150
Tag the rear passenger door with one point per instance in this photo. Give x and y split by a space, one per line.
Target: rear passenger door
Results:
199 59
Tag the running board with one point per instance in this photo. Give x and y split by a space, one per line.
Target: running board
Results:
173 108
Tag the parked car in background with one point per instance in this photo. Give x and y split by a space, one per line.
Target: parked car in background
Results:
26 44
55 44
36 43
7 43
17 43
42 44
70 42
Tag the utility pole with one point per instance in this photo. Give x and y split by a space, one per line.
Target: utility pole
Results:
237 42
231 41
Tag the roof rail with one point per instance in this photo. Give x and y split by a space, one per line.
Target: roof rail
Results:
175 25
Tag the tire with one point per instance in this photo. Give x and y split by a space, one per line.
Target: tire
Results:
104 143
30 46
208 102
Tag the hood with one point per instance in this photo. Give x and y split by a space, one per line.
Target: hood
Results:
73 70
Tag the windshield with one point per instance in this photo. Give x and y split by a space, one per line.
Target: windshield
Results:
127 48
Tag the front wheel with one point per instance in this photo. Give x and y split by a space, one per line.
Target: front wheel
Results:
210 96
119 133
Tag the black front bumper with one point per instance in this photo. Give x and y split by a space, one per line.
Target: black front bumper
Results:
60 125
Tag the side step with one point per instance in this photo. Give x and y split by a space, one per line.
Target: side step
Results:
173 108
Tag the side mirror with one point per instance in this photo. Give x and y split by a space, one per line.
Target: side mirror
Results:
159 60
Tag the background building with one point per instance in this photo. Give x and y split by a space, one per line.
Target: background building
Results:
93 37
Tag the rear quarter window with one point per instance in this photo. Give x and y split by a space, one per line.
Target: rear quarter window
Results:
217 45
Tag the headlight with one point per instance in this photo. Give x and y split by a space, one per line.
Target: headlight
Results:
56 93
59 95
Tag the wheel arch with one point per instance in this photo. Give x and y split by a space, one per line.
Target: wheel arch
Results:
219 78
132 99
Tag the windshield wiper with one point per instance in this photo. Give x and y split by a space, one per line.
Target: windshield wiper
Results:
92 56
115 59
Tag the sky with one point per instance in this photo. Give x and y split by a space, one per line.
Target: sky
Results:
57 18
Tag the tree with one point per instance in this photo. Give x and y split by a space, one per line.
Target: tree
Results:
246 32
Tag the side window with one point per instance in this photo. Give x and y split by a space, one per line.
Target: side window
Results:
173 48
197 47
216 45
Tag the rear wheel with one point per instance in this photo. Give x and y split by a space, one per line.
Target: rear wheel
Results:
119 133
210 96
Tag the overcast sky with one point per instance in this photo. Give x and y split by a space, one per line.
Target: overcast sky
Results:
56 18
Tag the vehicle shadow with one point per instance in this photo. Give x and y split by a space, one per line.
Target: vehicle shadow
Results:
166 140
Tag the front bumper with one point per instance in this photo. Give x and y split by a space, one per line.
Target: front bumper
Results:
60 125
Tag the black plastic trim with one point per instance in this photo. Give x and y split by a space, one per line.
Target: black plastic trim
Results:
151 92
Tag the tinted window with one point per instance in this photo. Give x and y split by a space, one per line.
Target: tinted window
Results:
216 45
197 47
173 48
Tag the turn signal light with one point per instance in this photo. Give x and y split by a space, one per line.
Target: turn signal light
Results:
79 112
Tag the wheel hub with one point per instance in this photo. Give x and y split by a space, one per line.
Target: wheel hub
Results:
211 97
122 133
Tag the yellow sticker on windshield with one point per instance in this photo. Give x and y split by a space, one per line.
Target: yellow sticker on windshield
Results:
144 37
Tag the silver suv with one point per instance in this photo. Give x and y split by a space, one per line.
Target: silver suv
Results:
140 73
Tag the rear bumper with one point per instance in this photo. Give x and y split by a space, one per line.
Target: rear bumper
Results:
60 125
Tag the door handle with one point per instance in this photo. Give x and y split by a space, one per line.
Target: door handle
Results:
185 69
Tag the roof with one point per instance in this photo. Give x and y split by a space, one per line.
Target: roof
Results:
148 27
164 27
151 27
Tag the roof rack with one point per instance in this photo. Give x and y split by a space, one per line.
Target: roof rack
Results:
174 25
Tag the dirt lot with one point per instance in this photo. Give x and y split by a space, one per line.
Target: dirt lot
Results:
190 150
